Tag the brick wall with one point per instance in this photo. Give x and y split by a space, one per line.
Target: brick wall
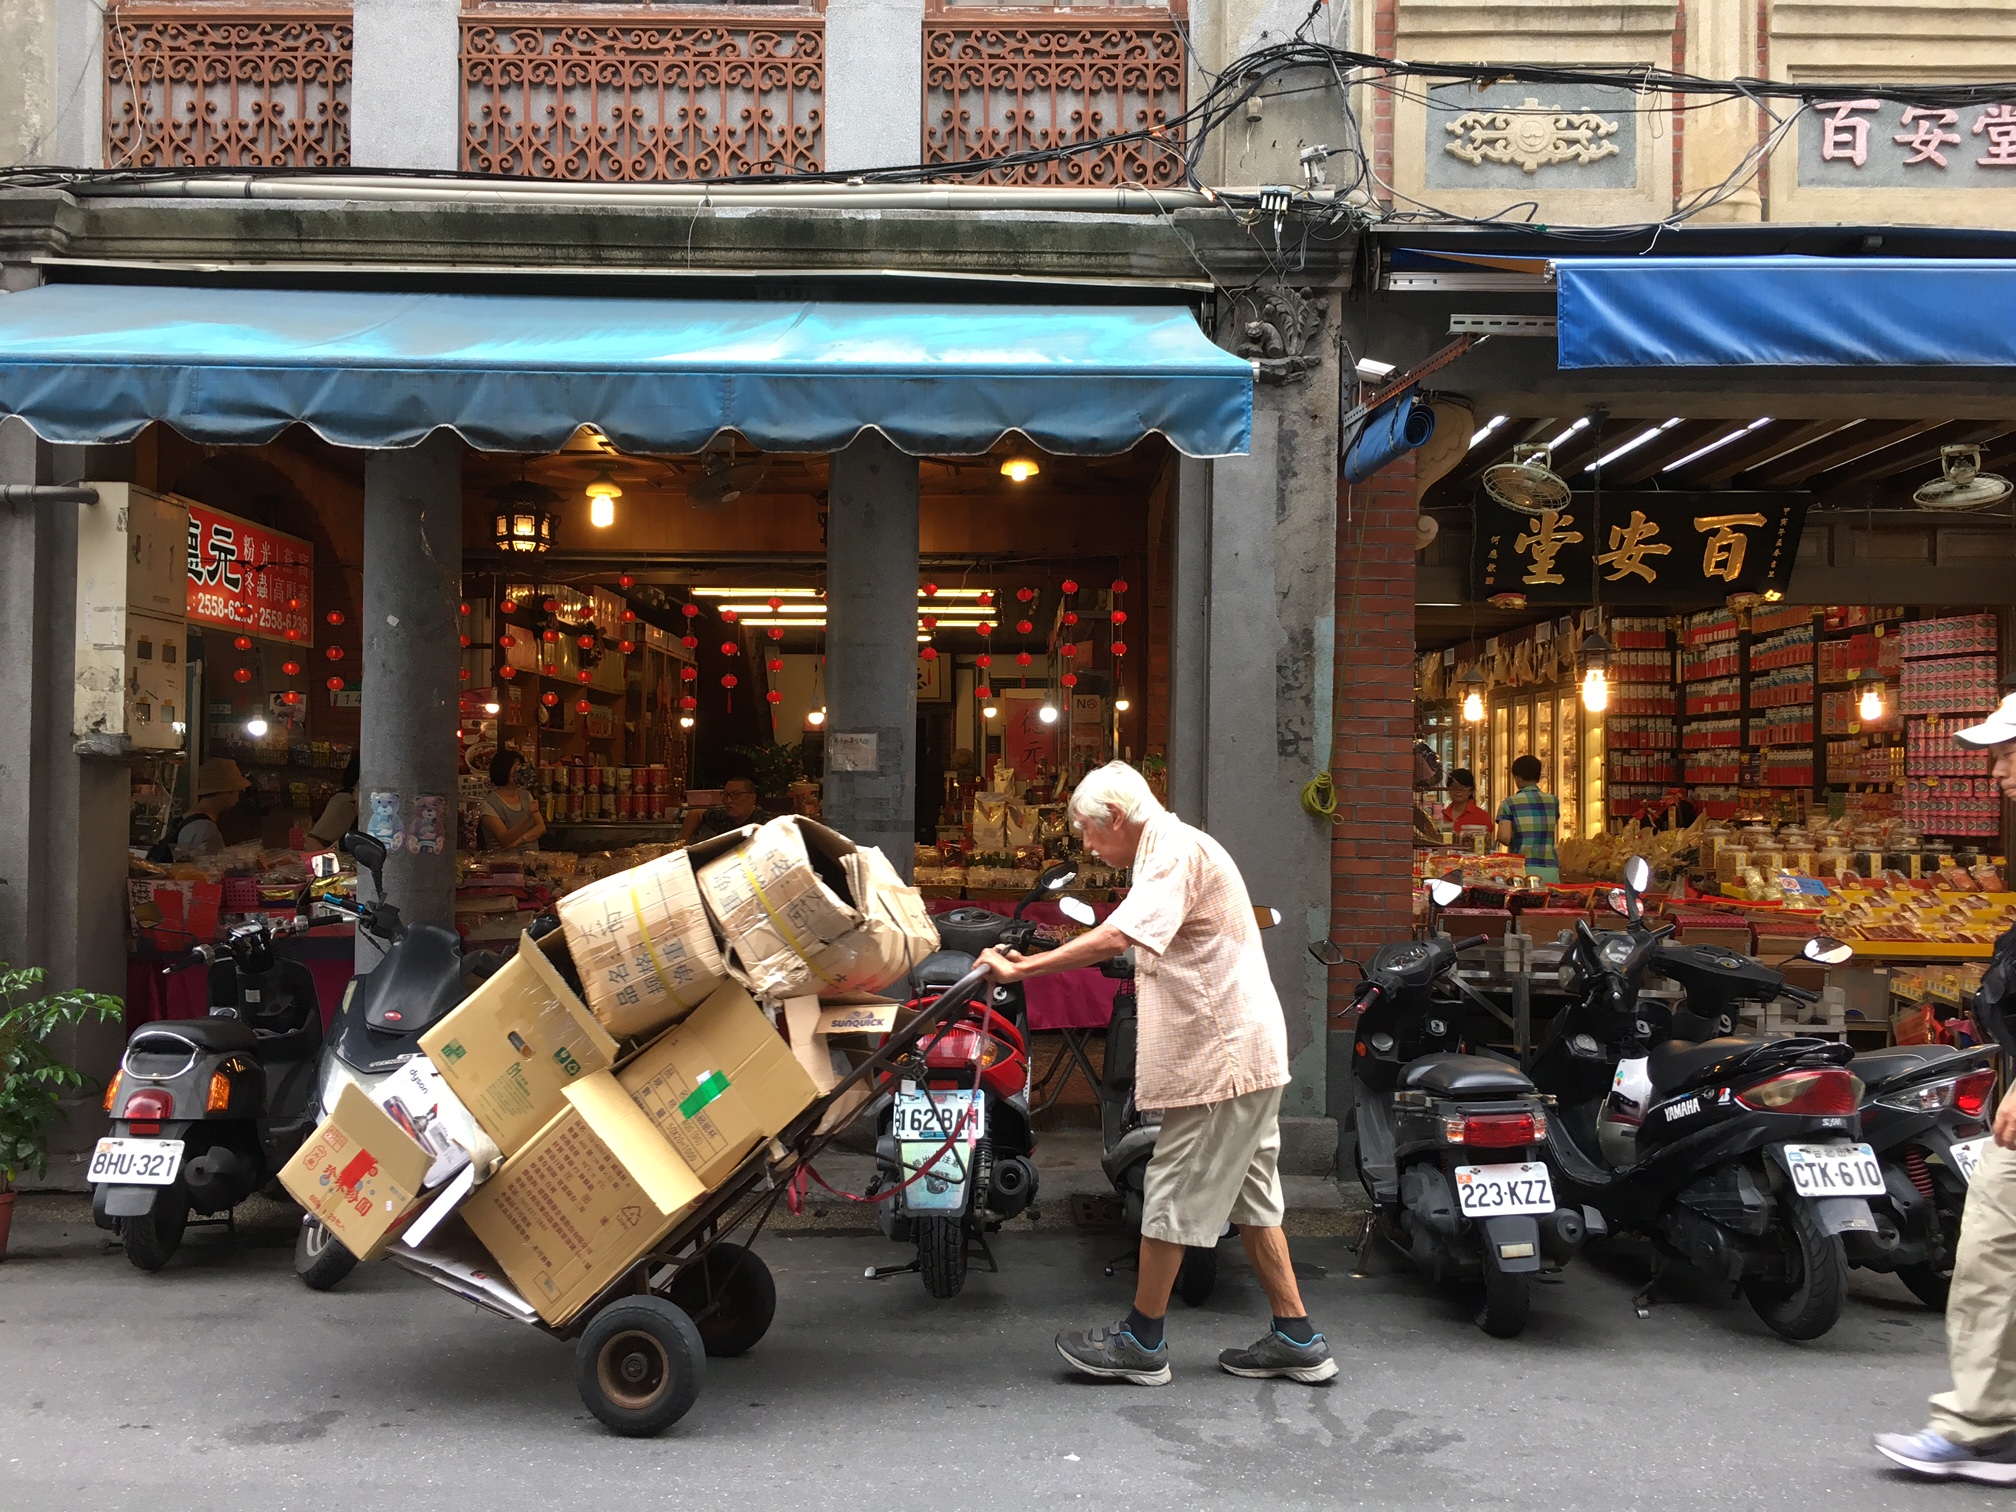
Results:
1385 37
1372 763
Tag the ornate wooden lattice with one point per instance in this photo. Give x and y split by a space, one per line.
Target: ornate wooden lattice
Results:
1022 86
245 89
607 98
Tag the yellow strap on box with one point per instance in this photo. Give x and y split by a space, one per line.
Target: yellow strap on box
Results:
783 929
657 961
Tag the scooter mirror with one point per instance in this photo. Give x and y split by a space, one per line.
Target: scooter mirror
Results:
1444 891
1077 910
1327 952
1619 901
323 865
369 852
1827 950
1638 874
1055 878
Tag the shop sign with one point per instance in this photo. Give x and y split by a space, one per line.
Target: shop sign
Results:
1866 143
247 578
1670 550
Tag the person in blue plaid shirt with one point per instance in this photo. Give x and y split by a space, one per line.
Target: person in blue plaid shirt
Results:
1529 820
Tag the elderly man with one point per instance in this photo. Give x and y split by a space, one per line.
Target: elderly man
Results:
1973 1430
1212 1056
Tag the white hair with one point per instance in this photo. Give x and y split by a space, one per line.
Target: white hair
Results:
1115 785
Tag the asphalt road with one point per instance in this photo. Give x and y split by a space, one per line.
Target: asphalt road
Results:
222 1383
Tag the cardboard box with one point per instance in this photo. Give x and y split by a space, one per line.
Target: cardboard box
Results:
512 1048
584 1200
359 1173
830 1039
805 909
719 1084
644 946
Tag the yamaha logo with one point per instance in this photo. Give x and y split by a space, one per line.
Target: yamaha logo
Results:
1687 1107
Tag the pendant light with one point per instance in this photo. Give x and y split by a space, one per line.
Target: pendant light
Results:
1872 703
1595 672
602 496
1473 685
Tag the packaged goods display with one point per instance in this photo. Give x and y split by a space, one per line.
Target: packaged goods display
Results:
1951 685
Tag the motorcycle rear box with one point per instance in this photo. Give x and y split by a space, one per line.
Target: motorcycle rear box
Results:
511 1049
359 1173
584 1200
643 945
719 1083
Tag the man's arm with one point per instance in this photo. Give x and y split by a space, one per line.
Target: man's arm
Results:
1100 943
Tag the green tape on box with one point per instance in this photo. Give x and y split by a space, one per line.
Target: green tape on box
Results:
712 1085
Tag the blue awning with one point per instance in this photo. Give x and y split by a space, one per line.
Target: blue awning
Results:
92 363
1640 312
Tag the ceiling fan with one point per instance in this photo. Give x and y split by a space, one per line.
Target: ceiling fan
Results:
1528 483
723 480
1961 485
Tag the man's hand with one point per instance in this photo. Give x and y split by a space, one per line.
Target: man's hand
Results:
2005 1122
1003 965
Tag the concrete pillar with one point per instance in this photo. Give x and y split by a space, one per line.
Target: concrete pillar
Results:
874 83
406 84
1721 44
412 663
1189 639
52 89
871 647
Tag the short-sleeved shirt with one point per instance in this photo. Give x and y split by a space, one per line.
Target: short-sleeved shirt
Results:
1470 816
1535 818
1211 1026
718 821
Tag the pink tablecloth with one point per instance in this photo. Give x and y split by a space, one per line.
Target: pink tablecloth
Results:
1081 999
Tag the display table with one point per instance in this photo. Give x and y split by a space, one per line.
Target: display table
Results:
327 950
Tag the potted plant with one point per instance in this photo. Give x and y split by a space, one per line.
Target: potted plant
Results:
32 1080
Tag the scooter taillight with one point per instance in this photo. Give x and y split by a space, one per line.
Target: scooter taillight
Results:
146 1109
1972 1091
1832 1092
1494 1131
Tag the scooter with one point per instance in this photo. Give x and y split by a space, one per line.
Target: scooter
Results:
421 978
954 1138
1739 1155
206 1111
1450 1145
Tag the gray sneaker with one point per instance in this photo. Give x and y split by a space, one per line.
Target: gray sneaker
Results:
1278 1355
1933 1454
1113 1354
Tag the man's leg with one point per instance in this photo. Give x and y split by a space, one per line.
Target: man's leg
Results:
1160 1261
1291 1348
1973 1429
1267 1251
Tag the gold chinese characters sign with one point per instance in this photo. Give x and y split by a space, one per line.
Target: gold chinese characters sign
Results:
1678 550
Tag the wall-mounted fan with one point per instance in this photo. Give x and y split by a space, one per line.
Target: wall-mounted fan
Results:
1962 486
723 480
1528 483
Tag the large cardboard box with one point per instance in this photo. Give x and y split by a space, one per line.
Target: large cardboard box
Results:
512 1048
719 1084
805 909
644 946
829 1039
359 1173
583 1200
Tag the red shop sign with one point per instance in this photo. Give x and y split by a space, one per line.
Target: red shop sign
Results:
248 578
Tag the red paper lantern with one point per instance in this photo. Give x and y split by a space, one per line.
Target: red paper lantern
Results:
1025 594
290 697
689 702
465 674
583 675
293 603
465 609
551 605
549 698
507 641
729 616
1068 649
1070 585
242 643
929 653
983 660
465 641
291 633
775 632
1119 616
549 636
509 606
549 669
582 706
628 615
930 622
776 664
334 616
687 674
690 642
983 692
1069 679
1023 627
729 679
334 685
334 653
1070 616
507 673
689 610
729 648
291 668
626 581
773 696
1119 648
585 642
930 590
1119 585
626 647
986 600
1022 658
242 674
775 604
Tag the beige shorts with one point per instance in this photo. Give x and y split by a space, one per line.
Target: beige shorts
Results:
1215 1164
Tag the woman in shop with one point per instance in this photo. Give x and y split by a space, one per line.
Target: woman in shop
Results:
511 818
1463 813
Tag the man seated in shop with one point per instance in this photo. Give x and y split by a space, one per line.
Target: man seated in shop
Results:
736 808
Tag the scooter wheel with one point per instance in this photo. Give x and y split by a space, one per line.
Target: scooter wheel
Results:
1507 1300
641 1364
1198 1277
730 1296
941 1255
320 1259
1806 1303
153 1239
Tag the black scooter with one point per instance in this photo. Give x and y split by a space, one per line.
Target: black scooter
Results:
955 1140
1450 1145
206 1111
423 976
1739 1155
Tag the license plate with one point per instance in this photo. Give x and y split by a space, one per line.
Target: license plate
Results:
1834 1170
1501 1190
935 1117
135 1162
1967 1156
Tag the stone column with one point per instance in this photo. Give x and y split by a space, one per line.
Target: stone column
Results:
406 84
1721 44
412 663
52 90
1189 639
871 647
874 83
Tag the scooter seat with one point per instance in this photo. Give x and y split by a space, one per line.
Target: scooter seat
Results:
1675 1062
222 1034
1465 1076
1879 1066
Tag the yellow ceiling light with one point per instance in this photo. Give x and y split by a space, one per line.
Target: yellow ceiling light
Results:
602 495
1019 469
758 593
1123 704
988 711
816 718
1872 702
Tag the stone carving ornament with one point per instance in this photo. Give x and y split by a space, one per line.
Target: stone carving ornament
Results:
1277 336
1534 136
